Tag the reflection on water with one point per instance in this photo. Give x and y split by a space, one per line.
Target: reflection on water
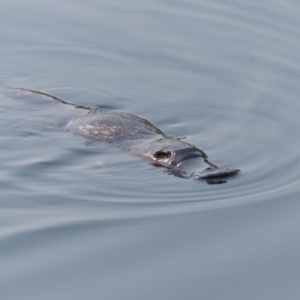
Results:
92 222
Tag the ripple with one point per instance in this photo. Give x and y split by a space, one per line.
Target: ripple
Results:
229 82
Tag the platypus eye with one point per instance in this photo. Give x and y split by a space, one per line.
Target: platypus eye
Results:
162 154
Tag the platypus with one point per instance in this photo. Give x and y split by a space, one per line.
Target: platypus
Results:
140 137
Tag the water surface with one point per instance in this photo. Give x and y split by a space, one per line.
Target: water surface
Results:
92 222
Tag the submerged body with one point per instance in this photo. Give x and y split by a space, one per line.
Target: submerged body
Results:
121 130
140 137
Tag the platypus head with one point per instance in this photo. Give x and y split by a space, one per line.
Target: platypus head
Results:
186 161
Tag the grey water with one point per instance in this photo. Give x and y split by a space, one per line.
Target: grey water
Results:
88 221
